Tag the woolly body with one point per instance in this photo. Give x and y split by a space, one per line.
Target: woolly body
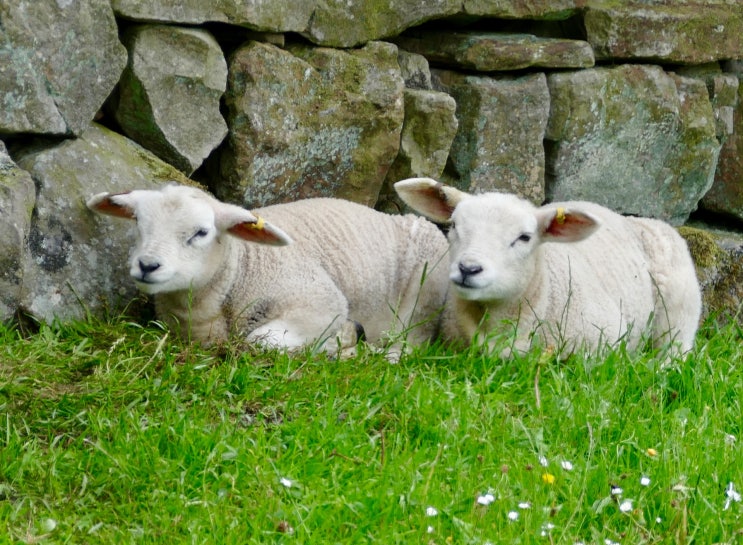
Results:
575 273
346 263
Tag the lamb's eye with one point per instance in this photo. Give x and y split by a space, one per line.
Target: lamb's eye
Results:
522 238
201 233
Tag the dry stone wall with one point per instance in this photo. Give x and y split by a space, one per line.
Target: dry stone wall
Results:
637 105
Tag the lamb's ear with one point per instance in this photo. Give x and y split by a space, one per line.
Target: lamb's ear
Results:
260 231
561 224
247 226
118 205
429 197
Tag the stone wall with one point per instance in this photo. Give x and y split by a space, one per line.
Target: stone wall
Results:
635 105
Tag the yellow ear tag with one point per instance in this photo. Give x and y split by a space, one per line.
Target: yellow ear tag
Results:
258 225
560 217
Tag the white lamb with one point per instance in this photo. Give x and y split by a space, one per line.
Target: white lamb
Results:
613 279
344 263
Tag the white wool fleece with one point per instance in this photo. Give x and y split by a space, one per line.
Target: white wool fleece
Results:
286 275
574 273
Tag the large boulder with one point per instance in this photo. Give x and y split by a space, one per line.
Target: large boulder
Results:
427 133
726 195
169 94
17 195
59 62
665 32
273 16
523 9
632 138
718 256
310 122
492 151
340 23
76 264
496 51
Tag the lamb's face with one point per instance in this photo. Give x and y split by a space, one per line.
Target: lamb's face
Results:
182 234
177 242
493 241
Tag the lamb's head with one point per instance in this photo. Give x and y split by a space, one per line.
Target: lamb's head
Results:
494 238
181 233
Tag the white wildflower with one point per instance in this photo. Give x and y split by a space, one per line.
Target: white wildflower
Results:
625 506
546 529
543 461
616 490
645 480
732 495
524 505
429 530
567 465
513 515
431 511
485 499
286 482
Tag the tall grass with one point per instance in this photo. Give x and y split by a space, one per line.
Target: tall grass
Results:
116 433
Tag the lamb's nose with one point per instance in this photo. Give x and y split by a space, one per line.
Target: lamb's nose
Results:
469 270
148 266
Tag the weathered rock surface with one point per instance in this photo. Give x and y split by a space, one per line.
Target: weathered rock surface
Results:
310 122
273 16
415 70
77 263
59 62
623 136
496 51
428 130
523 9
17 195
726 194
718 256
339 23
502 123
169 94
671 33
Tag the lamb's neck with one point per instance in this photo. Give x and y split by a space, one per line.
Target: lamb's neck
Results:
198 312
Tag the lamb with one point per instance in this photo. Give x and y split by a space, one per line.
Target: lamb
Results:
575 273
221 270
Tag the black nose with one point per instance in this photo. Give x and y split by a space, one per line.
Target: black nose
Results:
469 270
148 267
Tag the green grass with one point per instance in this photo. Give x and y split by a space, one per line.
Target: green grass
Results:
116 433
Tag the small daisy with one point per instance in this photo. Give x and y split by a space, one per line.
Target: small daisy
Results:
543 461
546 529
485 499
732 495
645 480
566 465
431 511
429 530
286 482
513 515
625 506
524 505
616 490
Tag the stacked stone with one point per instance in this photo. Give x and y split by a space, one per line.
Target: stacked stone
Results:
635 105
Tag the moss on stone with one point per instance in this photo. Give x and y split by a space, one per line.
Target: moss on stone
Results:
702 246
